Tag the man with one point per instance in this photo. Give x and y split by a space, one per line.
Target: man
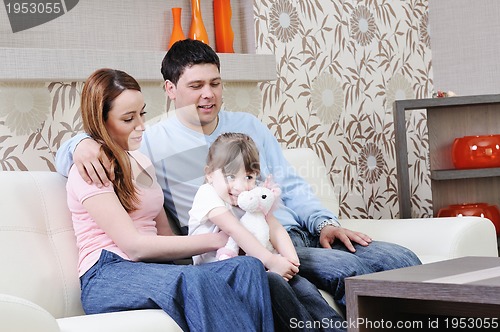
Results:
178 147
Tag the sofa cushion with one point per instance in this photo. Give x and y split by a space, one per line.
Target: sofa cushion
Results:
20 315
150 320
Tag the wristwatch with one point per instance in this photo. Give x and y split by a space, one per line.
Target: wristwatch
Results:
327 222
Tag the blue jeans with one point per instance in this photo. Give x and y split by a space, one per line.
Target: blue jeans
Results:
231 295
327 268
298 303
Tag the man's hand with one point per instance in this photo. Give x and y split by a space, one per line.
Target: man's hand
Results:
92 162
331 233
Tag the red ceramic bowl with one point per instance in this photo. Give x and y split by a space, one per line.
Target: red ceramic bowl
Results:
476 151
485 210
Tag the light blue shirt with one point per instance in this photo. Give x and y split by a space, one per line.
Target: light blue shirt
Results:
179 156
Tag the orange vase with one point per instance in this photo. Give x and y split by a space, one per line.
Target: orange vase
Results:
197 30
177 33
224 35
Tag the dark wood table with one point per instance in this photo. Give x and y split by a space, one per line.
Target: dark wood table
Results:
452 294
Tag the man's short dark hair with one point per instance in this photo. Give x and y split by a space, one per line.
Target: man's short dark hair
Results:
184 54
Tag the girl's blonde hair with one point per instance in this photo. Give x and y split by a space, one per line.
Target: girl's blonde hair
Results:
99 91
230 152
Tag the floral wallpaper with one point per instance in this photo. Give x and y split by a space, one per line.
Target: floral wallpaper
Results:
340 66
35 118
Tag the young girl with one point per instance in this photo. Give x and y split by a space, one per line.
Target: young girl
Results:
233 167
124 239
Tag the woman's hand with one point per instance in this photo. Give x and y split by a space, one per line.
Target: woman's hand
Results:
220 239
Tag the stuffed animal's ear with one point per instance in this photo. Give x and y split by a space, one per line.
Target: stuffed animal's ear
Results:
269 183
276 191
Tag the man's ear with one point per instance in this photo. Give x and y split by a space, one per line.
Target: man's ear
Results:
170 89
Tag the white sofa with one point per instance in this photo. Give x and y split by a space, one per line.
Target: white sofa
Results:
39 287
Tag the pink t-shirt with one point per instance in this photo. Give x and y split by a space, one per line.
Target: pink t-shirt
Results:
90 238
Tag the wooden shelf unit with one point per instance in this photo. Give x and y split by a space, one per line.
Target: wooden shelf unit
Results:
447 119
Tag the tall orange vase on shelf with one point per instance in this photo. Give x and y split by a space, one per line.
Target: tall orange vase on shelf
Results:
197 30
177 33
224 35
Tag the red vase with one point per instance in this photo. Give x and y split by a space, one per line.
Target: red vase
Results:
480 151
485 210
197 30
224 35
177 33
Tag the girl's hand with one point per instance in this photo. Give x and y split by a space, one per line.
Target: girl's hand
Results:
282 266
294 260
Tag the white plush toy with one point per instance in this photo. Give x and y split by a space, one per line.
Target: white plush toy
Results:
256 203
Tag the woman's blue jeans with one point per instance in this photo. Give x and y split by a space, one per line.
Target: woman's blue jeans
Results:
231 295
327 268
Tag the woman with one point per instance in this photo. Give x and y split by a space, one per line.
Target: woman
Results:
126 246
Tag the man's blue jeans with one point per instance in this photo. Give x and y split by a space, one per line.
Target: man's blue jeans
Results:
232 295
327 268
298 304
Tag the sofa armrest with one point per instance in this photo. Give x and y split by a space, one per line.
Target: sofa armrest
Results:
150 320
20 315
433 239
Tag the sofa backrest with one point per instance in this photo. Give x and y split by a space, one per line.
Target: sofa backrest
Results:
308 165
38 252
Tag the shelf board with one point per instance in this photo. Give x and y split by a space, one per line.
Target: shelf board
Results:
457 174
416 104
77 64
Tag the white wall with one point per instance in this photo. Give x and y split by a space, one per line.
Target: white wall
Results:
465 44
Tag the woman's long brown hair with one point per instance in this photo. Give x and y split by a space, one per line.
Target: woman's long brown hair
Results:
99 91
